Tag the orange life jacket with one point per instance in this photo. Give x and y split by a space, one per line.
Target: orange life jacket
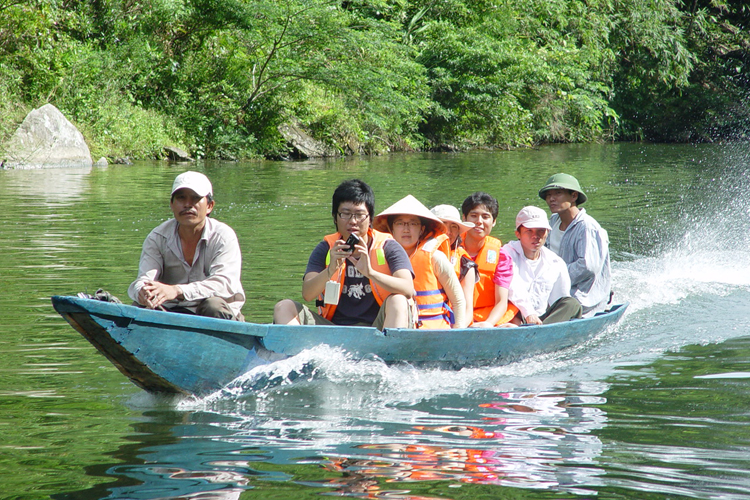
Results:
432 301
486 259
483 313
377 262
484 290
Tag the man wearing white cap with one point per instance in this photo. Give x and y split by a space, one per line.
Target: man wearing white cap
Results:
540 286
191 263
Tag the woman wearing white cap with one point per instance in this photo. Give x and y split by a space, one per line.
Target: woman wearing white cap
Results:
466 268
439 297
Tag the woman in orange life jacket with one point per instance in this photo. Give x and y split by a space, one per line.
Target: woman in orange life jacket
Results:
491 306
466 269
435 282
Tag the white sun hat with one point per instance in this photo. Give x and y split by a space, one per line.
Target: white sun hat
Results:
449 214
409 205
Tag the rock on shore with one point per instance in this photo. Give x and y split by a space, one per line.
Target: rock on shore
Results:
46 139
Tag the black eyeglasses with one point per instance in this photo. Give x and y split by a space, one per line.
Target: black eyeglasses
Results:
411 225
358 217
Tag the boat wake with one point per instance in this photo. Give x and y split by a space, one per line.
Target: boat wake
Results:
676 299
701 252
651 282
326 369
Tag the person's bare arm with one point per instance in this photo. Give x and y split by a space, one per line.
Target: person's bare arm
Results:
468 284
447 277
400 282
501 305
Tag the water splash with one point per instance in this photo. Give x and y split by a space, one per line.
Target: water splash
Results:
678 275
700 250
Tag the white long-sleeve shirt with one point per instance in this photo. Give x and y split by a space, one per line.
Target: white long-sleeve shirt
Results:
536 284
215 271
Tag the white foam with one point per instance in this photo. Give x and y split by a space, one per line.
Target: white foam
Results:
725 375
674 276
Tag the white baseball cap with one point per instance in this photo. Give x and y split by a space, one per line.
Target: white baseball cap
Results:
533 218
195 181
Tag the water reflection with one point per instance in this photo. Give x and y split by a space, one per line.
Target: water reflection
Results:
186 484
172 455
531 440
54 187
44 196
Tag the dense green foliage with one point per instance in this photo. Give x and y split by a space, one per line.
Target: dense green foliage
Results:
218 77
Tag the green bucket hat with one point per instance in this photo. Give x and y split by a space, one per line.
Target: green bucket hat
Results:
563 181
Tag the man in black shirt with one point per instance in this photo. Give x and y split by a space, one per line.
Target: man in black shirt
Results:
367 282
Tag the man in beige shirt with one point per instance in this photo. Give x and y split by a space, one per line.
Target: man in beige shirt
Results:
191 263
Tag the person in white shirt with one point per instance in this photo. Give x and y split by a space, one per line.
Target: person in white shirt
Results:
191 263
540 286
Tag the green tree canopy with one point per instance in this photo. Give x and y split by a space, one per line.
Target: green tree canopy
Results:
219 77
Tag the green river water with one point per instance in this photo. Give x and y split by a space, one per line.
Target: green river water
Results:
657 407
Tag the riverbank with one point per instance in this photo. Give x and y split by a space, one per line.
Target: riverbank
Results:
222 80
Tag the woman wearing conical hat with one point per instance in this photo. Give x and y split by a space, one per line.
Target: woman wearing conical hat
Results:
439 298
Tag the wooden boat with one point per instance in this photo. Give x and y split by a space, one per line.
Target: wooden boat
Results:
180 353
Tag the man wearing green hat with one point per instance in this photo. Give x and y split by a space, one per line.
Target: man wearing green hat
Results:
580 241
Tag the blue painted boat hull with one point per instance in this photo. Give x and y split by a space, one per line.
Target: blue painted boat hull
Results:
179 353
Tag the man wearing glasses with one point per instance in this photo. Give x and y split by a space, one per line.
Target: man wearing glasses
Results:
357 276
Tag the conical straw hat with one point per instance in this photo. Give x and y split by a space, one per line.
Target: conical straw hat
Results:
409 205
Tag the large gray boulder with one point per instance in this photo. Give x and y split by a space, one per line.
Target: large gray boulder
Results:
46 139
305 145
176 154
